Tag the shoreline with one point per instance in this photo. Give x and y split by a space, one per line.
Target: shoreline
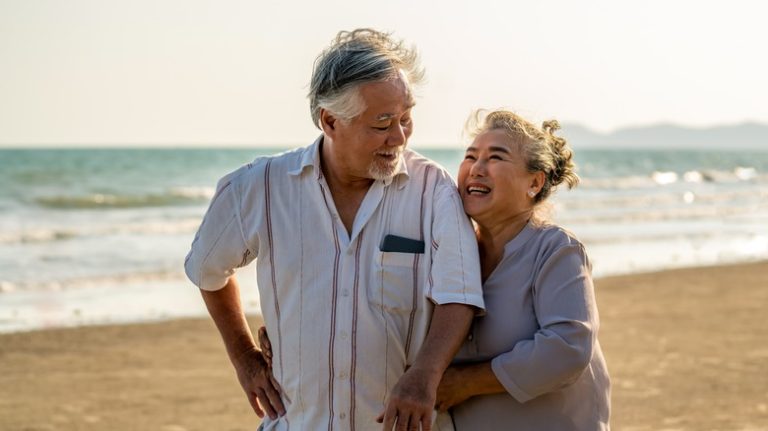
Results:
172 299
685 349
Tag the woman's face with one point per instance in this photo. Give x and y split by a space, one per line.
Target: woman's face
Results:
493 179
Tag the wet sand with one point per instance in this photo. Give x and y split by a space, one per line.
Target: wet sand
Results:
687 350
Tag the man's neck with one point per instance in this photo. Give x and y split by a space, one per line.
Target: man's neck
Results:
347 190
339 177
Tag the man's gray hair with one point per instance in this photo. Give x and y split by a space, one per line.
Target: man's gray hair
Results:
355 58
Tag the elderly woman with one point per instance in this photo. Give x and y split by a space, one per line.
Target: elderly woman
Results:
532 362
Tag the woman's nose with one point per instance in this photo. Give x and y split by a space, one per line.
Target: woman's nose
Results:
478 169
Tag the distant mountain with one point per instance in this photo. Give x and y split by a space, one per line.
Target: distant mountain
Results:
740 136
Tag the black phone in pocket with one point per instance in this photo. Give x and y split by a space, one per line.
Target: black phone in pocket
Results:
399 244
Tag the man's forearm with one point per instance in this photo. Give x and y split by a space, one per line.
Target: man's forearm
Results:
447 331
225 308
253 372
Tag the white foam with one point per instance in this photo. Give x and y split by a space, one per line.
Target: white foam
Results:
155 227
193 192
693 177
36 235
617 258
745 174
111 303
663 178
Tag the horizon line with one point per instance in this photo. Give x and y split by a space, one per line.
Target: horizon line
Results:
168 144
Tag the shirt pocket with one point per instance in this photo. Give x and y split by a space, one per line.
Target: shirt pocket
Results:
395 280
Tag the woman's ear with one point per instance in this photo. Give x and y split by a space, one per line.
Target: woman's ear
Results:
537 181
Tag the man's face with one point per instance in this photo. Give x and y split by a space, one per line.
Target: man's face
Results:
371 144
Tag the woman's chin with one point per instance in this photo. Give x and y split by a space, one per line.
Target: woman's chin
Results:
473 208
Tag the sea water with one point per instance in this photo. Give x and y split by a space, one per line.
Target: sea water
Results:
100 235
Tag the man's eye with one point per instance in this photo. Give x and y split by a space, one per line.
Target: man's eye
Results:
383 129
469 157
495 157
405 121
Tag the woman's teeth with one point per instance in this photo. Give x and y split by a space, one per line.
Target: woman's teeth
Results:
478 189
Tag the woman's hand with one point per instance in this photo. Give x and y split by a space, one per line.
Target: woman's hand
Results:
264 345
454 388
259 385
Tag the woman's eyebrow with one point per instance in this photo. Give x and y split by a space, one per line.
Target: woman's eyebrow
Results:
500 149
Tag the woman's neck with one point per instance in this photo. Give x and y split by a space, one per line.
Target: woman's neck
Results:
493 235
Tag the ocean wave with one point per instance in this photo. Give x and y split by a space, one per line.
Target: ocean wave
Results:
664 178
36 236
205 193
660 200
645 215
32 236
92 282
173 197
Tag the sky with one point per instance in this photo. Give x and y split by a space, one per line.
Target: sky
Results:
232 73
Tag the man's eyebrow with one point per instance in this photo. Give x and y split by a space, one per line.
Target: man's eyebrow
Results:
387 116
384 117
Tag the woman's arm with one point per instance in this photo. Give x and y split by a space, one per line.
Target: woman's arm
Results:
556 354
561 349
460 382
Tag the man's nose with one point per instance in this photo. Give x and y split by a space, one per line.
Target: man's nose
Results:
397 136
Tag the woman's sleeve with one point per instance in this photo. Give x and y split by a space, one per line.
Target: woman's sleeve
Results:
561 349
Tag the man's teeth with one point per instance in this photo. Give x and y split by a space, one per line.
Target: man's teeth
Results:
478 189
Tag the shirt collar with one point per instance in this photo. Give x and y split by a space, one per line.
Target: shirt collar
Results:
311 157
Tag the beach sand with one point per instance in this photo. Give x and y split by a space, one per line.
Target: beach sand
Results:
686 349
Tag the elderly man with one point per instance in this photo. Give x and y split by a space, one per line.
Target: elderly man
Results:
367 265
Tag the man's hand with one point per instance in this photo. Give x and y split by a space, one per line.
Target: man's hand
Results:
260 386
411 402
253 370
452 389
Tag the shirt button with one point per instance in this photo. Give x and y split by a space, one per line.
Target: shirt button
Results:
343 375
342 415
345 292
343 335
470 337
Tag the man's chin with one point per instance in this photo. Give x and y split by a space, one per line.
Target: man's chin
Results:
382 173
381 176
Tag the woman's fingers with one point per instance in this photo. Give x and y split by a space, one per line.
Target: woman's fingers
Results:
264 345
253 400
266 404
274 399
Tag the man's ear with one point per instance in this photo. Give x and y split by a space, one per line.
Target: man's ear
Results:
328 122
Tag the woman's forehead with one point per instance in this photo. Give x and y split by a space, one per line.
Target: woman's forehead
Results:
496 140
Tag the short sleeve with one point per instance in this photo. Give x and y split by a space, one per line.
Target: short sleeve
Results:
219 246
455 272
